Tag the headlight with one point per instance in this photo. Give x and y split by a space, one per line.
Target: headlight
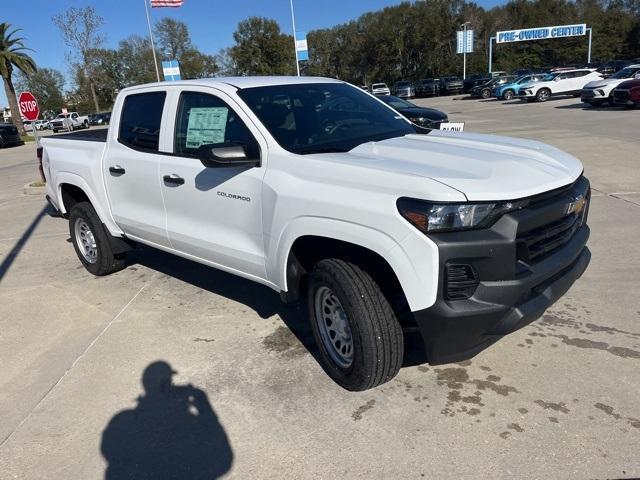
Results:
418 120
446 217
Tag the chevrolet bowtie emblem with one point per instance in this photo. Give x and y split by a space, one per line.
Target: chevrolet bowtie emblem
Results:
576 205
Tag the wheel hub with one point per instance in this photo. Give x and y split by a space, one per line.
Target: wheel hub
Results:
334 328
86 241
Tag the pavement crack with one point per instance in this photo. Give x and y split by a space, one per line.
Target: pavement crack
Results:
75 362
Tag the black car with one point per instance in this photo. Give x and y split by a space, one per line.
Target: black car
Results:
100 118
486 89
427 87
474 80
9 135
449 85
424 117
612 67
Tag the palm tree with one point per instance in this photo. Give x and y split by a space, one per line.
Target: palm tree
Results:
12 55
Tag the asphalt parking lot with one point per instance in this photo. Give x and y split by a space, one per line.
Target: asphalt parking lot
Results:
557 399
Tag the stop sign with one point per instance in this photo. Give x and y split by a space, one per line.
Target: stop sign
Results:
28 106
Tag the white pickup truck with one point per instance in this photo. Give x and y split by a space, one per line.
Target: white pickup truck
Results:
322 192
69 121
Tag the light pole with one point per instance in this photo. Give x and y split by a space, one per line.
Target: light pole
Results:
464 49
295 45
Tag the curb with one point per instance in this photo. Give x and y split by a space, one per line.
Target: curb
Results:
30 190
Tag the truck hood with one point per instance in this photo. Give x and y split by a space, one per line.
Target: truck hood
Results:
482 167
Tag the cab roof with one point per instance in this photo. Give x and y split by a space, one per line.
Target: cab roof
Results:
242 82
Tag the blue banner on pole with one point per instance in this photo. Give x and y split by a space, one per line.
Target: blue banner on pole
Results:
171 70
301 46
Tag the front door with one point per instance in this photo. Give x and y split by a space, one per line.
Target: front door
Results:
131 168
214 213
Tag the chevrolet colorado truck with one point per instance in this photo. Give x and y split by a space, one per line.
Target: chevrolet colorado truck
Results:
323 193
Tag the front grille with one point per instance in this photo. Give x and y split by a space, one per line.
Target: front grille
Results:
542 241
461 282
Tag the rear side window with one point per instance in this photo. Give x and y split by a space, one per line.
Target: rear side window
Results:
140 120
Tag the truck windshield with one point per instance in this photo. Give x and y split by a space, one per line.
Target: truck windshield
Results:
323 117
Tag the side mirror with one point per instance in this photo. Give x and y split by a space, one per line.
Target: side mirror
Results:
556 79
227 154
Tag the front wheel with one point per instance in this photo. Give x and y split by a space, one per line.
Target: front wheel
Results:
543 95
90 241
358 335
508 95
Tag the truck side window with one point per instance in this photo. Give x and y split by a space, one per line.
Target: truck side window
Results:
205 119
140 120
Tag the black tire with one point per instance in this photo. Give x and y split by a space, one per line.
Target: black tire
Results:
104 261
377 341
543 95
486 93
55 131
86 124
507 95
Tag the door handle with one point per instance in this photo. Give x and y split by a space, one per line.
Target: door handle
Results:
173 179
117 170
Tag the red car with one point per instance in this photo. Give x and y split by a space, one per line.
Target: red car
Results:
627 94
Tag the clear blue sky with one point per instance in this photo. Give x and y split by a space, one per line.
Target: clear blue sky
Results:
211 22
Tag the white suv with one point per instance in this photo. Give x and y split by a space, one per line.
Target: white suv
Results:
599 91
566 82
380 89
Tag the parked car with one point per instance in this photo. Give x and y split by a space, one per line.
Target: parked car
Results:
498 73
486 89
9 135
466 237
509 90
425 117
451 85
600 91
522 72
27 125
427 87
404 89
627 94
69 121
474 80
100 119
380 89
613 66
564 82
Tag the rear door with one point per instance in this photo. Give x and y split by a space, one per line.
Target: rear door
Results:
214 213
131 168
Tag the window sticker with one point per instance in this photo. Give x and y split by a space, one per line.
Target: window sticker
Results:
206 125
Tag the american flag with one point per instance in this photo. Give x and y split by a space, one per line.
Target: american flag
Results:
166 3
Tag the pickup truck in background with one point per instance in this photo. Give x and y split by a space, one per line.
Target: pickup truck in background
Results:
69 121
322 192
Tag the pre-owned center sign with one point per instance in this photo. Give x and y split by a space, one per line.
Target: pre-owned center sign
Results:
541 33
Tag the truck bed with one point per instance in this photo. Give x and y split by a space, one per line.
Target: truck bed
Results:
91 135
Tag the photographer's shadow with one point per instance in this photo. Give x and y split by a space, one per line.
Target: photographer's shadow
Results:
173 433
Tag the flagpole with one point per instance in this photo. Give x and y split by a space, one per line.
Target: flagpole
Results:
153 47
295 46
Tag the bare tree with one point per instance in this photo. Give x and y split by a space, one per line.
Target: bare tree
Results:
80 28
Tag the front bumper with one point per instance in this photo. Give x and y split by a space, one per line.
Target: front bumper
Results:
511 290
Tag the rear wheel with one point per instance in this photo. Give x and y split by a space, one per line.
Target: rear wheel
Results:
358 335
508 95
91 242
486 93
543 95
